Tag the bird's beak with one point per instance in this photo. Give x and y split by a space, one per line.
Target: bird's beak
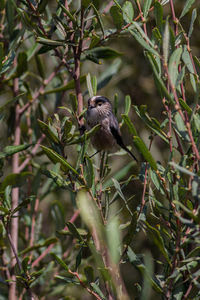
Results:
91 107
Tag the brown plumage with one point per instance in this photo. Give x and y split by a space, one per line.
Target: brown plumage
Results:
108 137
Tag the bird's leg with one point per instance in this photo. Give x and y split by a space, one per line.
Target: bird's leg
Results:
95 153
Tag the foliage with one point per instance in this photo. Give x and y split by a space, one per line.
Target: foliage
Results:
75 225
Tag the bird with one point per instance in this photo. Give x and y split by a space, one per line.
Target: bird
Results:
108 136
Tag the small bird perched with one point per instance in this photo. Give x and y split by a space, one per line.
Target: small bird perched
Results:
108 136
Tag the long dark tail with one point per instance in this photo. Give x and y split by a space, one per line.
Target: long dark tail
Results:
120 142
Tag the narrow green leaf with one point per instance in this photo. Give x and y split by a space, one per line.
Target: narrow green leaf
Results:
56 158
1 54
94 84
89 85
145 152
15 180
8 62
130 125
103 53
174 62
23 204
68 13
57 178
128 12
98 291
185 106
155 235
113 235
186 8
72 228
99 20
117 16
10 150
42 5
136 262
49 42
89 172
166 42
69 86
158 78
158 12
146 7
85 136
142 39
25 262
89 273
85 3
9 103
60 261
181 128
187 60
127 105
194 15
10 15
48 132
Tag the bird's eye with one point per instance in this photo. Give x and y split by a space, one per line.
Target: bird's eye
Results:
99 104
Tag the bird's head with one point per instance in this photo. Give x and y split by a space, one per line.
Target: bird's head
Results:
99 107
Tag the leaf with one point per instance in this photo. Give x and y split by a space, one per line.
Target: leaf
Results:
194 15
127 105
184 105
181 128
57 158
186 8
23 204
72 228
90 213
8 62
158 77
49 42
48 132
102 52
22 65
187 60
174 62
146 7
15 180
136 262
57 178
89 85
142 39
10 150
155 235
158 12
145 152
166 42
98 291
89 172
42 5
69 86
85 136
10 102
10 15
89 273
1 54
113 235
68 13
128 12
85 3
46 243
117 16
130 125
